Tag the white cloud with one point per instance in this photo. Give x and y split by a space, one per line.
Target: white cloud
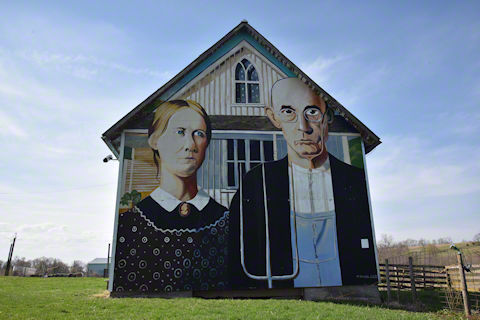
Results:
6 89
10 128
347 77
461 123
32 231
322 68
53 240
420 190
85 67
409 168
62 33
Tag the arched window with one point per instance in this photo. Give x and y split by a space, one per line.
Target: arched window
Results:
247 85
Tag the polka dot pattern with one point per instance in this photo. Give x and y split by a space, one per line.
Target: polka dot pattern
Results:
149 260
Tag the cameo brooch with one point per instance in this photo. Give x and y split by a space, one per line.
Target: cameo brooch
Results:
184 209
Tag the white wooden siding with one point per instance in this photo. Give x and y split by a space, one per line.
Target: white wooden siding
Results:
214 88
140 172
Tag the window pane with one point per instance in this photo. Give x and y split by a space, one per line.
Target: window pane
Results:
334 146
246 63
355 151
254 150
239 72
231 175
240 92
241 149
253 93
268 150
252 74
230 149
281 147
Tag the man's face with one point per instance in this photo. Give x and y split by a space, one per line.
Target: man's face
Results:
300 114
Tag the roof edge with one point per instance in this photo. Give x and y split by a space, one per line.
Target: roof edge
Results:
371 139
172 81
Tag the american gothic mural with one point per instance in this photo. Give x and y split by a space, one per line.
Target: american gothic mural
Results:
300 221
240 175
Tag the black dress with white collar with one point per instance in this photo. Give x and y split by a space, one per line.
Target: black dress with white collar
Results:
164 251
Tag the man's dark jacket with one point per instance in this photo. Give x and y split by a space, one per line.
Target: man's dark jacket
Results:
358 266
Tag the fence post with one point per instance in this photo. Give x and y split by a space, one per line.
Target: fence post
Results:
449 281
398 283
412 280
387 275
424 278
466 304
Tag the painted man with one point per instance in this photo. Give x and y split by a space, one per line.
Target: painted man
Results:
319 229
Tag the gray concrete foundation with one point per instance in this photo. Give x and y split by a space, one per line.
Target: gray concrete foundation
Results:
364 293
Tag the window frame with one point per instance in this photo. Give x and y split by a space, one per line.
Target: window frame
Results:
246 82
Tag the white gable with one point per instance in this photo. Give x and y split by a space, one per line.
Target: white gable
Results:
214 88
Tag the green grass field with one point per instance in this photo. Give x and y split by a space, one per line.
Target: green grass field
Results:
83 298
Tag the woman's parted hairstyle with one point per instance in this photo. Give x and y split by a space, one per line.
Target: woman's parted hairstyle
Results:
162 115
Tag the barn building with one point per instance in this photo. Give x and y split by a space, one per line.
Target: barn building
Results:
98 267
232 81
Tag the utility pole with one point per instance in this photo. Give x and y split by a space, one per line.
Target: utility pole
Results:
108 260
10 254
108 265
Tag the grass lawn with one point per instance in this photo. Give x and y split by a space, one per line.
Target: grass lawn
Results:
74 298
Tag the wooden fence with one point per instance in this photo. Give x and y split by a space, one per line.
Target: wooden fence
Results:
472 277
446 278
429 277
424 277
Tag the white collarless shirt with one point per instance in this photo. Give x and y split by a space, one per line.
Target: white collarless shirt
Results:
313 189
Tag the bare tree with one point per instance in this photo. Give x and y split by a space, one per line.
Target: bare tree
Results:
476 237
445 240
77 266
59 266
42 265
386 241
21 262
422 242
411 242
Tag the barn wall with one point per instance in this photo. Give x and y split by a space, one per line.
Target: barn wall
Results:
214 88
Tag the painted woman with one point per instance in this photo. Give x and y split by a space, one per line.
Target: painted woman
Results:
174 239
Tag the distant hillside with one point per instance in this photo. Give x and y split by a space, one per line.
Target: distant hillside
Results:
430 254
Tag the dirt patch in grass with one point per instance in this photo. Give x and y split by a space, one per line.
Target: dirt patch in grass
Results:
105 294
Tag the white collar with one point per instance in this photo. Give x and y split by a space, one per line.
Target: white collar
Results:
325 167
169 202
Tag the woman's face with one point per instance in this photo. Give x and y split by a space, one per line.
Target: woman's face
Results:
182 146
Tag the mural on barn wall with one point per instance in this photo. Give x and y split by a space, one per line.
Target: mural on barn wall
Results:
174 238
299 221
180 223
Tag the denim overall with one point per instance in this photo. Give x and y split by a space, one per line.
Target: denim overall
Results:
314 209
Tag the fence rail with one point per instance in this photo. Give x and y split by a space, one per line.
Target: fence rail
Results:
472 277
424 276
446 278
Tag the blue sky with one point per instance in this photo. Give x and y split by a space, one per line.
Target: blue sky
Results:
409 71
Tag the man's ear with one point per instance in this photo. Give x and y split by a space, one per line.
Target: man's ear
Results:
272 117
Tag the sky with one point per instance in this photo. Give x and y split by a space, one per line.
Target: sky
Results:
408 70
